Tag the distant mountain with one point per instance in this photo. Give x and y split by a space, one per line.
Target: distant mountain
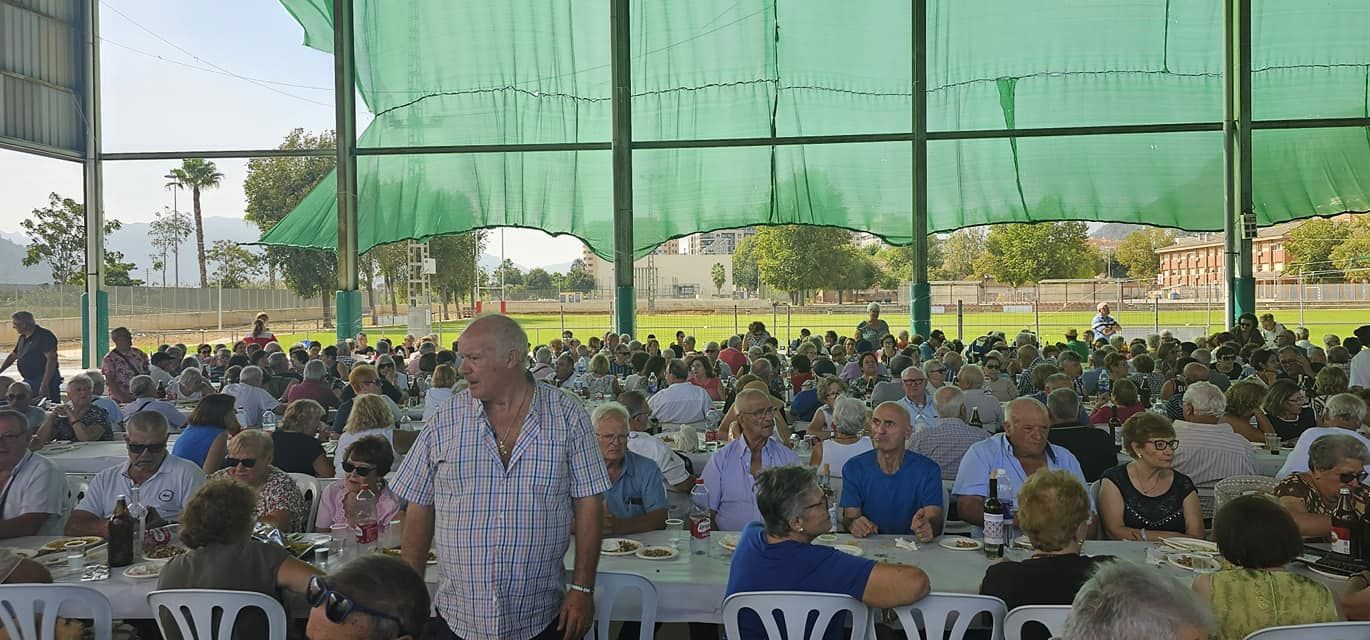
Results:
12 269
132 241
1114 230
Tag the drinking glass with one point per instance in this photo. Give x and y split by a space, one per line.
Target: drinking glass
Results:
1272 442
76 556
341 538
677 528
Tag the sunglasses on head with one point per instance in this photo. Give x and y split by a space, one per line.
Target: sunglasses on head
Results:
230 462
337 606
153 448
360 469
1358 476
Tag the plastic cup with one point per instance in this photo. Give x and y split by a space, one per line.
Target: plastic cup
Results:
341 537
677 528
1272 442
321 554
76 555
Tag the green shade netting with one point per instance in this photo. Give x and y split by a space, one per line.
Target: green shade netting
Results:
455 72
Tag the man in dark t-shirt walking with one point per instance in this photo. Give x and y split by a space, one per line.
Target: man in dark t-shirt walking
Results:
36 354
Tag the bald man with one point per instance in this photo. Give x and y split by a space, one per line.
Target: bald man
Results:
889 489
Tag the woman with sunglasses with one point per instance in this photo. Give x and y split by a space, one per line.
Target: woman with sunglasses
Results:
378 587
370 416
1334 462
997 383
1147 499
365 463
279 501
830 388
204 440
392 377
1247 331
216 527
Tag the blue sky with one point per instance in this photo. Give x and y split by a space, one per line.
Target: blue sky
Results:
169 84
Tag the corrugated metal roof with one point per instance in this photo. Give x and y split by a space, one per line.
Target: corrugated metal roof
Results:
41 75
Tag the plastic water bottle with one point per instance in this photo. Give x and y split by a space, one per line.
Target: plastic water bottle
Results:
139 513
268 421
652 385
368 528
405 421
1008 496
701 520
801 448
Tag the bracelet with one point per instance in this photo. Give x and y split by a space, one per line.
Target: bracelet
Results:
581 588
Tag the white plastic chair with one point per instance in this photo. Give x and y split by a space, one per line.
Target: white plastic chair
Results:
935 611
608 586
194 608
1051 616
795 608
313 494
1323 631
22 604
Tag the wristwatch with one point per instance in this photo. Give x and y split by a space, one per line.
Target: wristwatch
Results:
581 588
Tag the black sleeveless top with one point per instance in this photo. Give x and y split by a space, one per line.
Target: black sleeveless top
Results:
1159 513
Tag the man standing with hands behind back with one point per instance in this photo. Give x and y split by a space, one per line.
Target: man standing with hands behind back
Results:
497 475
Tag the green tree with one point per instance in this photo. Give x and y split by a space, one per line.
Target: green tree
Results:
508 274
1137 252
959 252
1018 254
57 236
166 232
538 280
719 274
392 263
797 258
119 273
1352 257
234 265
198 174
848 268
745 275
274 186
1308 249
455 256
579 277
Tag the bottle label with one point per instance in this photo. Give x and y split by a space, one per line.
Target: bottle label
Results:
1341 540
994 529
699 527
368 533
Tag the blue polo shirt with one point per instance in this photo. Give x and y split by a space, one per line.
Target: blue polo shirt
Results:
890 500
638 491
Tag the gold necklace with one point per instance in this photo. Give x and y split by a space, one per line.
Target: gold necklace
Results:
505 449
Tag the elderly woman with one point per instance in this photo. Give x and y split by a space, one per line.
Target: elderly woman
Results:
997 382
444 378
778 554
365 463
204 440
889 348
1125 404
190 385
1334 462
650 365
296 440
78 418
830 388
279 501
1147 499
849 419
863 385
1260 538
392 386
1243 412
216 527
1329 382
598 380
1265 366
1285 405
936 373
756 335
702 376
1053 510
370 417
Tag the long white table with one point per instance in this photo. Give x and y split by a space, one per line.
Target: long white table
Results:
91 457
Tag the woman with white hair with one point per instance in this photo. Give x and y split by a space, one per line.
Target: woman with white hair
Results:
78 418
849 421
190 385
1126 601
872 329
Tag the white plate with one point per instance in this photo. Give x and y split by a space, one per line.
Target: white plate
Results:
827 537
1329 574
1202 563
144 570
671 553
611 546
1022 542
1190 544
958 543
849 549
729 542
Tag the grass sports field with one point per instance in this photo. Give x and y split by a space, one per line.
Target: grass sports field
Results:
718 326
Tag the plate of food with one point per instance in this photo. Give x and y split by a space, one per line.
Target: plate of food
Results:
1194 562
143 570
657 553
299 543
619 546
91 542
164 553
1194 545
828 538
1022 542
729 541
395 552
849 549
958 543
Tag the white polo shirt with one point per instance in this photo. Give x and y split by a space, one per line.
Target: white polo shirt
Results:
253 401
37 485
653 448
167 490
681 403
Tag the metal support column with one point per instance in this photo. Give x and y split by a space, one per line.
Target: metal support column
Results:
622 146
94 304
920 294
348 298
1241 286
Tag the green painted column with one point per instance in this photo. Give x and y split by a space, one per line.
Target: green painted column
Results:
348 297
90 359
349 314
920 293
1239 210
625 309
920 302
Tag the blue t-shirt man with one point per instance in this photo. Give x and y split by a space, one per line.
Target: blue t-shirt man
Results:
790 565
890 500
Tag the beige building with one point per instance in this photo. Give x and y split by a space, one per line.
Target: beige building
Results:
672 276
721 242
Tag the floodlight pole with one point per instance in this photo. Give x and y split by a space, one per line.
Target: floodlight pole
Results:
622 145
920 293
94 302
348 299
1241 286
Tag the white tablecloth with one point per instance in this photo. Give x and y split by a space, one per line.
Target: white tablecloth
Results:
91 457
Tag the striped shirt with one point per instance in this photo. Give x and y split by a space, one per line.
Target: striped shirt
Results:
1210 452
501 534
946 443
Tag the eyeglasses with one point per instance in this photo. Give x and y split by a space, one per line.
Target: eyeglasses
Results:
765 411
915 381
387 366
611 438
134 447
337 606
992 366
937 370
1358 476
822 503
347 467
230 463
1162 445
1245 325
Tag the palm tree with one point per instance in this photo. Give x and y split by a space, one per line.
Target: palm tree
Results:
198 173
